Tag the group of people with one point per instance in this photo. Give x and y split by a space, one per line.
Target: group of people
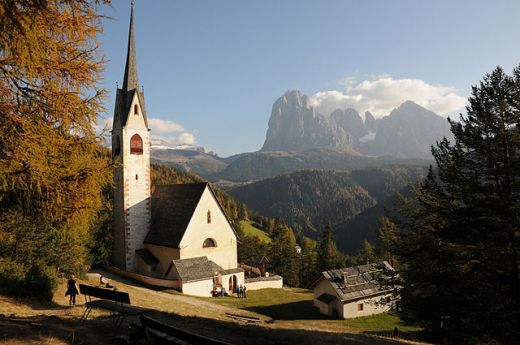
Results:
219 292
241 291
73 290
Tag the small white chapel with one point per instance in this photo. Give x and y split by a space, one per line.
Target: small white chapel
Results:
178 236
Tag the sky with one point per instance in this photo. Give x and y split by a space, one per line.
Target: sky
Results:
211 69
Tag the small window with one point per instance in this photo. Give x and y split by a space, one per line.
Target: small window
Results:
136 177
360 307
208 216
136 109
136 145
209 243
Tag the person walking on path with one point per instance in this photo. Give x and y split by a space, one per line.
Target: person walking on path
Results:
72 290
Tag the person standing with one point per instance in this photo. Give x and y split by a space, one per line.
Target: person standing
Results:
72 290
244 292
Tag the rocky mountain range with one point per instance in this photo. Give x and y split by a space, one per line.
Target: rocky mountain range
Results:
407 132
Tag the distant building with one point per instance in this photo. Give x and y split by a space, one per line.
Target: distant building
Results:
353 291
298 249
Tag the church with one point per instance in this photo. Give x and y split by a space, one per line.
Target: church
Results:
178 236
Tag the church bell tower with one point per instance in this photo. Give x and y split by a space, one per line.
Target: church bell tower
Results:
131 155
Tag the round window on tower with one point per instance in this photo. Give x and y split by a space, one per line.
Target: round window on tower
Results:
136 145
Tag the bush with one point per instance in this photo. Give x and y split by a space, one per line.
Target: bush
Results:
38 282
12 277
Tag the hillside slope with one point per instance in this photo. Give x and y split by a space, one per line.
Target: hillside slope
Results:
349 200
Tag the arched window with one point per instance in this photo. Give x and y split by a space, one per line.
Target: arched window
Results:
136 145
209 217
209 243
136 109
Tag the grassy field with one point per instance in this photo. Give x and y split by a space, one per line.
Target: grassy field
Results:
296 304
250 230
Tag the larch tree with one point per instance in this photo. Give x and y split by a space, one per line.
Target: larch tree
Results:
52 166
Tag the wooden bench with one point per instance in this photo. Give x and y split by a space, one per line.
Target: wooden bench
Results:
159 333
117 302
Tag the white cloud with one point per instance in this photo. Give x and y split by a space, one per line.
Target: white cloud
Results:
164 126
163 132
382 94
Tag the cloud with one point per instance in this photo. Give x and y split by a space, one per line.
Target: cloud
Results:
382 94
163 132
164 126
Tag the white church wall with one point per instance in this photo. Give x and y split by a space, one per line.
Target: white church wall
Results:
264 284
201 288
198 230
136 183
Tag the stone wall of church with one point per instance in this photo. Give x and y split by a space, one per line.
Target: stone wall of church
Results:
217 229
132 210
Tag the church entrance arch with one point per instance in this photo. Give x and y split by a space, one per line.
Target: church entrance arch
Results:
233 283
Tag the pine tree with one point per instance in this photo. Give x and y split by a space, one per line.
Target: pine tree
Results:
367 254
309 263
460 247
387 241
282 254
329 257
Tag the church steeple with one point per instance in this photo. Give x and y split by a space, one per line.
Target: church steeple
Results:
131 81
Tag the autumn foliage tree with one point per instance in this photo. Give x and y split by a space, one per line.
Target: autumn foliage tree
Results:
52 167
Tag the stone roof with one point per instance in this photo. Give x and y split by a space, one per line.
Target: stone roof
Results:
361 281
172 209
198 268
147 256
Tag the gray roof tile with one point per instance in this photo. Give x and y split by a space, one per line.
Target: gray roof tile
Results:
362 281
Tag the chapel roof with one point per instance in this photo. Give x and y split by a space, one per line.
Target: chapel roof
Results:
198 268
362 281
172 208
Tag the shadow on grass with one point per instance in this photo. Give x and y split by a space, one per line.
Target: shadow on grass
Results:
100 330
300 310
261 334
43 329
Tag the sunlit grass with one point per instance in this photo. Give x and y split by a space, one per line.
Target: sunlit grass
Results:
250 230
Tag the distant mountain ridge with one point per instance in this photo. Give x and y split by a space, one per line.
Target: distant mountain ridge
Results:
408 132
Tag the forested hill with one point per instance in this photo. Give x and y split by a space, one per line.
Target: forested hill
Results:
235 211
309 200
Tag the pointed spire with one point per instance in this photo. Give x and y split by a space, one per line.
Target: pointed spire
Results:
131 81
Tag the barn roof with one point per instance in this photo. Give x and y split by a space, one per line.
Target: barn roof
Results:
361 281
